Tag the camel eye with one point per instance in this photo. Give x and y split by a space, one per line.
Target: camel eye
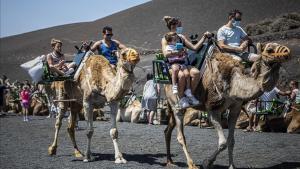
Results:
270 50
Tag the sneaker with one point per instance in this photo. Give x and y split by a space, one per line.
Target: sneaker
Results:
175 89
188 93
191 97
193 100
183 103
24 119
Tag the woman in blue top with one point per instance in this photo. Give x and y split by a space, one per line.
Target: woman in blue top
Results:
107 45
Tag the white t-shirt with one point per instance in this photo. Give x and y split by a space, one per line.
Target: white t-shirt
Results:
231 36
150 90
174 58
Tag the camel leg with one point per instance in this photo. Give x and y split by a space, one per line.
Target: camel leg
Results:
168 134
114 133
52 148
215 119
181 138
88 110
232 118
71 130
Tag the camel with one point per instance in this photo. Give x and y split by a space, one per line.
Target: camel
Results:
64 90
293 120
38 105
131 113
98 83
225 85
289 123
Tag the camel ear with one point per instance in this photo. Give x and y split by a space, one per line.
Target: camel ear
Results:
260 47
123 54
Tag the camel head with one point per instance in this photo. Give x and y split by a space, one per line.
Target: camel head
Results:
273 52
267 68
129 58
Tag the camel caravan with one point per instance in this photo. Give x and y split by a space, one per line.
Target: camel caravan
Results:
211 90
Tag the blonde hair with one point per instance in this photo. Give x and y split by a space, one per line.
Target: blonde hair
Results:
55 41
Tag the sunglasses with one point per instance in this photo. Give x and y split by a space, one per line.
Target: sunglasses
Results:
109 34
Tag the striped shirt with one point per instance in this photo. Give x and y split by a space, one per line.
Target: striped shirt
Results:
268 96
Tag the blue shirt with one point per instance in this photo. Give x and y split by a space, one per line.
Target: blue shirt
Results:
106 51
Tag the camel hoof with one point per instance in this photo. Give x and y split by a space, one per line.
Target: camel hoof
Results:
52 150
193 166
207 164
120 161
78 154
231 167
171 164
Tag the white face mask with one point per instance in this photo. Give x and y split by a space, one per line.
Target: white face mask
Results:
236 23
179 30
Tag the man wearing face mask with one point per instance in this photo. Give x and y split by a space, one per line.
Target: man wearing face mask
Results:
107 45
233 39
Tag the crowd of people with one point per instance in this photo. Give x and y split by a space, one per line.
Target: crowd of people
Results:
21 93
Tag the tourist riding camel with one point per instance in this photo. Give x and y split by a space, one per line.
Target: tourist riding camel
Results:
175 25
98 83
56 60
234 40
225 85
107 46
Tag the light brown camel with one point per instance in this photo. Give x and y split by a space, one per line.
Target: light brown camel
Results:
38 105
293 120
64 90
97 84
226 86
100 83
131 113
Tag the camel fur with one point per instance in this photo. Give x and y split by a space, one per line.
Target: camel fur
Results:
225 86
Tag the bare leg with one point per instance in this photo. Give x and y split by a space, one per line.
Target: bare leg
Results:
175 69
151 114
114 133
195 78
187 78
181 84
215 119
232 118
53 69
168 134
88 110
71 130
178 115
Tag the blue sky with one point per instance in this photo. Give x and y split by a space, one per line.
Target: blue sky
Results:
20 16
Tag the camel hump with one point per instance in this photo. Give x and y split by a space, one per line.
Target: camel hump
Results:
97 61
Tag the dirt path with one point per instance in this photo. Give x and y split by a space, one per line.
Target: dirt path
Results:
24 145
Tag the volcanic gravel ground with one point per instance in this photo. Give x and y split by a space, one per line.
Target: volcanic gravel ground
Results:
25 144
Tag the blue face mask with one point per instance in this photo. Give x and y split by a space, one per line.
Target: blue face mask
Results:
179 30
236 23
